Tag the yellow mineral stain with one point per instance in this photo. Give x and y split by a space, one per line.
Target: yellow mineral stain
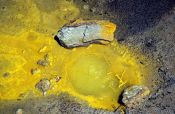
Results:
96 74
107 30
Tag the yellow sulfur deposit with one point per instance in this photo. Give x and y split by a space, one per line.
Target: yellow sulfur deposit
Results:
96 74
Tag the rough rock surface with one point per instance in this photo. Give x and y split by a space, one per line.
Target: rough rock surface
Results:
135 95
43 85
83 33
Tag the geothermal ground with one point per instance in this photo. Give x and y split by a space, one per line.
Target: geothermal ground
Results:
146 26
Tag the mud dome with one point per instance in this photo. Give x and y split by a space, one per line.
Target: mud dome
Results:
100 73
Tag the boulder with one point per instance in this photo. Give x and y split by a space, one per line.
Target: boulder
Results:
83 33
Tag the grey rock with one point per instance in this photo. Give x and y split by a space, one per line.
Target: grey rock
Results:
44 62
81 34
43 85
135 95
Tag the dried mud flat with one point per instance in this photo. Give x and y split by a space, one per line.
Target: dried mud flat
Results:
145 25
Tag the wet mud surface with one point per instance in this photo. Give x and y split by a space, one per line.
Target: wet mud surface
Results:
147 26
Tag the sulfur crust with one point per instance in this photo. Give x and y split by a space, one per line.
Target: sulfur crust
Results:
116 64
122 68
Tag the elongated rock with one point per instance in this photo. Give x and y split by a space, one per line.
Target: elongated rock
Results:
83 33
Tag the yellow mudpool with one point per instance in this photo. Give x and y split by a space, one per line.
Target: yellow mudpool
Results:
96 74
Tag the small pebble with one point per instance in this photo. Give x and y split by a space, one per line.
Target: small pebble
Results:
43 85
46 57
43 62
6 74
35 71
58 79
19 111
86 7
93 10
